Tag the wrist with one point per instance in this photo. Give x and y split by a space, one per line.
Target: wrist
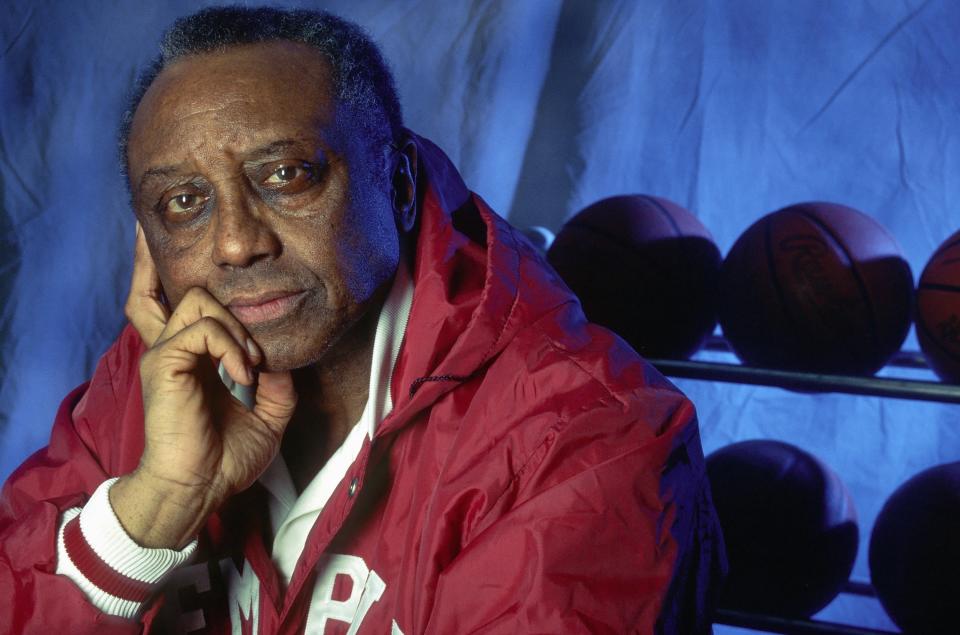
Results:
117 575
158 513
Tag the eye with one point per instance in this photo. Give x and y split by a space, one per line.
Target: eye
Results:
285 174
183 204
289 177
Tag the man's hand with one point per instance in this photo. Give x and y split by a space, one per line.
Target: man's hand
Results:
201 445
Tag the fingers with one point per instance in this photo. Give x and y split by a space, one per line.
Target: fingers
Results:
177 356
247 395
197 305
145 308
149 314
276 400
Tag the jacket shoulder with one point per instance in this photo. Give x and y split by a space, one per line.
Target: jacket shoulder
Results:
98 428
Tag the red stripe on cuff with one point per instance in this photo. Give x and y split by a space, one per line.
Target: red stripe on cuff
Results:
102 575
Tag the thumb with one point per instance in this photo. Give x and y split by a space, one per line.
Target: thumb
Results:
276 400
145 308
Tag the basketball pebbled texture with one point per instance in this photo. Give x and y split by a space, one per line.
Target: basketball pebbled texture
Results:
816 287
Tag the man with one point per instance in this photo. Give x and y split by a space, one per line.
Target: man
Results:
436 440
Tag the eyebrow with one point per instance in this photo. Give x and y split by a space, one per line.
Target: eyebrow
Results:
270 149
256 154
154 173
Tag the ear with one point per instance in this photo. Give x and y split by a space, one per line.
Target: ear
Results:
404 181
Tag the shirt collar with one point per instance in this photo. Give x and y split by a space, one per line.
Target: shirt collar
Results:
386 348
391 324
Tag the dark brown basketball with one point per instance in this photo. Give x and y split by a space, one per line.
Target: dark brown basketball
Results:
789 525
816 287
938 310
645 268
915 553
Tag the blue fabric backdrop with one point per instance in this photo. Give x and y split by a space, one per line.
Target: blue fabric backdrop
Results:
731 109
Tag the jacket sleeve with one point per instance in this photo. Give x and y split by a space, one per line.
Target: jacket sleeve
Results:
626 542
61 476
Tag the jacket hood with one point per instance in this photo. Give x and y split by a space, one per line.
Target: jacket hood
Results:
461 241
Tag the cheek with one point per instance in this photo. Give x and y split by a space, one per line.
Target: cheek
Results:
369 244
331 263
347 265
173 287
177 274
368 255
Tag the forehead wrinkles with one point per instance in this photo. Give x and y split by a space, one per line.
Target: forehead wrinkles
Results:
254 87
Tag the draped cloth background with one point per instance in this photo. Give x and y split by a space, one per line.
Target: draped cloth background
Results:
732 109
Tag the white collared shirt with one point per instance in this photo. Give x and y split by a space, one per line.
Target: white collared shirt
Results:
292 517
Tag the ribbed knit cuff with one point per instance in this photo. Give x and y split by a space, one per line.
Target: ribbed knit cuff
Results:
117 575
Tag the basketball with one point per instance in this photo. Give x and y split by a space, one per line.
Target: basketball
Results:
816 287
645 268
789 526
915 552
938 310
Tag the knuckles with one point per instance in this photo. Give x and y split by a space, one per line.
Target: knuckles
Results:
207 324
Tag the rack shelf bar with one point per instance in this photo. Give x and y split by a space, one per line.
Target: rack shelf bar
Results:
900 359
810 382
790 626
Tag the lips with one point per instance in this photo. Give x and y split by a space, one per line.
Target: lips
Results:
265 307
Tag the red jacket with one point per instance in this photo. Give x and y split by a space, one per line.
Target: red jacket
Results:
534 476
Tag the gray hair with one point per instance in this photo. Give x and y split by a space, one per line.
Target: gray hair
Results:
363 82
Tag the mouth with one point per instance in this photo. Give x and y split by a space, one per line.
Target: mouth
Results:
266 307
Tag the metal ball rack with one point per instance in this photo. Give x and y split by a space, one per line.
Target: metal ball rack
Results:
890 387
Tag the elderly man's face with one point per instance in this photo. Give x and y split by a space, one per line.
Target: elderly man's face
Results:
246 185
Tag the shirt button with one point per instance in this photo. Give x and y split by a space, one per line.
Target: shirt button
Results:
353 487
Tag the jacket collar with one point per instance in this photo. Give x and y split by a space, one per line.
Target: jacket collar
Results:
468 301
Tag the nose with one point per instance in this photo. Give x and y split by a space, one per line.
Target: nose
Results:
242 234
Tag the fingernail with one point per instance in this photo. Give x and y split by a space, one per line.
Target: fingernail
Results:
252 349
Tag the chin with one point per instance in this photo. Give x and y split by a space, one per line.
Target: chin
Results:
283 356
312 336
294 347
296 341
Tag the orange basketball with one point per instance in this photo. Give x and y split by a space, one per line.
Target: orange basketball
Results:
938 310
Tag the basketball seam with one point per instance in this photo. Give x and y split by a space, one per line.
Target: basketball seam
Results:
936 286
922 325
663 210
774 274
853 268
